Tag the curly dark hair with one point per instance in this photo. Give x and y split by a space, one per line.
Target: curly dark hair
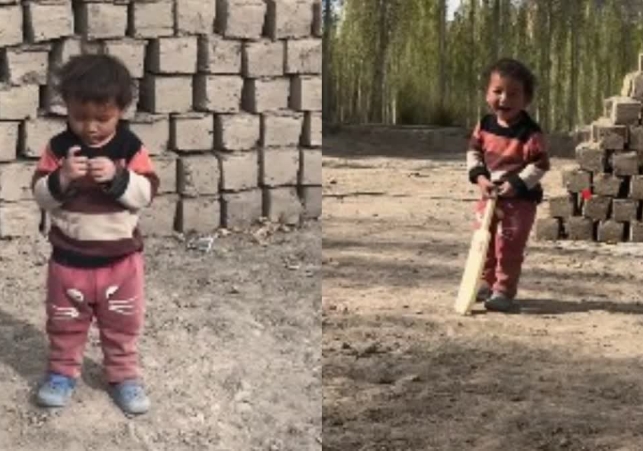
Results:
96 78
509 67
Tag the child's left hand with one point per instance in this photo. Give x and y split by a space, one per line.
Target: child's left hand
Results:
102 169
506 190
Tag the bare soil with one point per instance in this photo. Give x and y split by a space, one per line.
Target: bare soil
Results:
402 371
231 351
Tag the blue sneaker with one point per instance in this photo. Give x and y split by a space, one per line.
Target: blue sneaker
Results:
56 390
130 396
484 293
499 302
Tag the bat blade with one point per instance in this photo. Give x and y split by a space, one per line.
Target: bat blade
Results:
475 264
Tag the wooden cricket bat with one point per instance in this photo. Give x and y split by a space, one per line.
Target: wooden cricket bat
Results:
475 262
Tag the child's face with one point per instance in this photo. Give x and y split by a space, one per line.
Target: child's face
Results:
506 97
94 123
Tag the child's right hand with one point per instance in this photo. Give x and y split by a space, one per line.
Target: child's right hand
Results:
74 167
487 188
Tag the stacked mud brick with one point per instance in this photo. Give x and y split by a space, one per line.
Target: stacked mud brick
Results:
228 102
605 189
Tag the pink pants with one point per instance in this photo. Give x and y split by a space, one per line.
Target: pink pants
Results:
114 295
510 233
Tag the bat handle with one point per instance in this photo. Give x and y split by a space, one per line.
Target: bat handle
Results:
489 210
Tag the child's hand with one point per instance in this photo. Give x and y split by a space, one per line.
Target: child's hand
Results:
102 169
487 189
506 190
73 167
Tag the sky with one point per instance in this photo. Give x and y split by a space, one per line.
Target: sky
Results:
452 5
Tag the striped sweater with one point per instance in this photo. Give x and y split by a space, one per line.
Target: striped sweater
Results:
516 154
94 224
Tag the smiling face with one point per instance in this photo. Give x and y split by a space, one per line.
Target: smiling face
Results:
93 123
506 97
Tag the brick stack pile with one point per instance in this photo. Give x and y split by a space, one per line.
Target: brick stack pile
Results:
228 102
604 196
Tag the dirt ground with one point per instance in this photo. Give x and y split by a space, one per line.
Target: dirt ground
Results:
231 351
401 371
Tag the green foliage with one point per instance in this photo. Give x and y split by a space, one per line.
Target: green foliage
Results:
401 61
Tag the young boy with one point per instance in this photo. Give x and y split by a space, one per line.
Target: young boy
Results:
93 179
507 158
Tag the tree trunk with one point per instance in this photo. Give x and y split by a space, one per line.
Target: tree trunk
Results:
326 57
379 74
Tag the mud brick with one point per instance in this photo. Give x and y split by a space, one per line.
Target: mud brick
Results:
289 18
52 102
9 133
152 19
281 129
597 208
192 132
304 56
548 229
37 132
153 131
217 55
19 219
238 131
636 232
64 49
606 184
200 215
306 93
159 219
131 110
15 181
626 163
624 210
166 94
131 52
611 136
312 135
218 93
175 55
282 205
636 187
102 20
310 171
48 20
242 209
198 175
278 166
311 197
559 206
263 59
578 228
591 157
11 19
633 86
243 19
19 102
611 232
166 168
26 64
622 110
264 95
239 170
575 180
195 16
318 19
636 138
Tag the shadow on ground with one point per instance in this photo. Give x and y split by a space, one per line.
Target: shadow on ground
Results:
25 351
410 388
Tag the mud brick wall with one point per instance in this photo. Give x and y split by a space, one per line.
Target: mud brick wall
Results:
604 199
228 102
